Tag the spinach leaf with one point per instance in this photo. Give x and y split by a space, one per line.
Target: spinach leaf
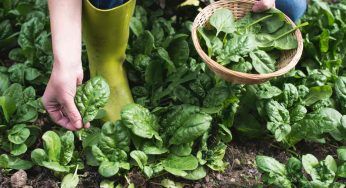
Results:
8 162
52 145
91 97
136 26
4 82
114 136
179 51
326 9
18 149
145 43
270 165
180 163
262 62
140 121
223 20
18 134
165 56
272 41
297 113
196 174
277 113
70 180
280 130
8 107
108 169
38 156
318 93
192 128
273 23
107 184
290 94
182 149
215 157
340 91
67 143
274 172
321 172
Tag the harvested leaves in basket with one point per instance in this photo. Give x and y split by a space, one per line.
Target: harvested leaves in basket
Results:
252 44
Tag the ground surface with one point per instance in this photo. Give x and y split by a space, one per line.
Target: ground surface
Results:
240 173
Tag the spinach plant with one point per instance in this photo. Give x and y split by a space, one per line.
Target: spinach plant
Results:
160 146
325 173
19 108
109 151
280 175
58 153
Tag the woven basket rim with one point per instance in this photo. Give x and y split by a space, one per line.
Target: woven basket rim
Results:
241 75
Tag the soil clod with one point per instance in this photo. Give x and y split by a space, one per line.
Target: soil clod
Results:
19 179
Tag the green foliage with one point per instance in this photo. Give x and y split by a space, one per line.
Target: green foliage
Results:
153 140
223 20
183 116
140 121
324 173
107 184
250 43
8 162
19 108
70 180
58 153
91 97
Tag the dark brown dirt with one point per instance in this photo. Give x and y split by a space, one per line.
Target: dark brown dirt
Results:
241 171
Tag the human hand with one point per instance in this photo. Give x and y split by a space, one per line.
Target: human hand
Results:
263 5
58 97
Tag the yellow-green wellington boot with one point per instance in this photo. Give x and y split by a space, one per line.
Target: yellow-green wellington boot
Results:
106 33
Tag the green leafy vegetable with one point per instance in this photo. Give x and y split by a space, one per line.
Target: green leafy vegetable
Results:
57 154
250 40
91 97
222 20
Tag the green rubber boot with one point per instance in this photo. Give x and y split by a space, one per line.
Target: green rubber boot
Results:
106 33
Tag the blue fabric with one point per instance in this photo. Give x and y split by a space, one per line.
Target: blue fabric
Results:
294 9
107 4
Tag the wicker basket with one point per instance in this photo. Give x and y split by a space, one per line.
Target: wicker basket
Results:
287 61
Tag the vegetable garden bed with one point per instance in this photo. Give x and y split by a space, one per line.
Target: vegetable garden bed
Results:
200 131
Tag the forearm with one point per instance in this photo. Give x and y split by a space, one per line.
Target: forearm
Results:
66 28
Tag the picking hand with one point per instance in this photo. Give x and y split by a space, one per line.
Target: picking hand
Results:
58 98
263 5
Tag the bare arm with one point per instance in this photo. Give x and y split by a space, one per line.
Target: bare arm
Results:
65 19
67 73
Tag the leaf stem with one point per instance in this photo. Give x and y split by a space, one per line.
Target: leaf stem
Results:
291 30
259 20
225 39
210 52
75 172
127 180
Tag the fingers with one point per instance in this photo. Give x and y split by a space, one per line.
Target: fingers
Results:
80 79
263 5
54 111
72 113
65 113
258 7
87 125
59 118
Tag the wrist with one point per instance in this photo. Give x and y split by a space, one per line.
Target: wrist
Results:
67 63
